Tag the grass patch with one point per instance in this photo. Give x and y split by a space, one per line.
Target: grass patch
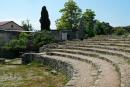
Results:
128 62
36 64
32 75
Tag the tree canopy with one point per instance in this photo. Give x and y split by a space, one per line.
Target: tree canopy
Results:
26 25
88 22
71 15
103 28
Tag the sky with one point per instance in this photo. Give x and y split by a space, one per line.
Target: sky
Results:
116 12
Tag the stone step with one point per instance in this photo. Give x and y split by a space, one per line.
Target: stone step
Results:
126 42
85 74
93 42
100 43
113 44
110 37
116 48
124 55
107 39
80 73
122 49
104 80
121 65
112 51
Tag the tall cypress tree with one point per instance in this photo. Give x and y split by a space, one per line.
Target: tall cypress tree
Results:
44 20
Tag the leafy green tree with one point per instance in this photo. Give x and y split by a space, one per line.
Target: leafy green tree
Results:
88 22
71 15
127 28
26 25
98 27
108 28
44 20
103 28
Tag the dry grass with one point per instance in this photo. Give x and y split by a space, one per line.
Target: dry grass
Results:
29 76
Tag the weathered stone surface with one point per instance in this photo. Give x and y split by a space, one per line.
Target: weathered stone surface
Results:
55 64
78 72
48 46
2 60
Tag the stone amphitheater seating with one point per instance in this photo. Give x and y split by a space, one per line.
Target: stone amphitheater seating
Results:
102 61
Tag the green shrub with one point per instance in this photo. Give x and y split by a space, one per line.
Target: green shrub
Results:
24 43
18 43
90 32
16 46
36 63
42 38
120 31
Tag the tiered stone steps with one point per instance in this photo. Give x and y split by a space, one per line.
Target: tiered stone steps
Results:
125 55
106 58
120 56
104 79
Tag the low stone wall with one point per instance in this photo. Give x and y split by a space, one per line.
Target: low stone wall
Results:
71 34
62 66
2 60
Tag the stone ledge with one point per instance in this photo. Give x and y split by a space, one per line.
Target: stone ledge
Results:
2 60
92 55
70 71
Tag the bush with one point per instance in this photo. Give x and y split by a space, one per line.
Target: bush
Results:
16 46
18 43
24 43
90 32
42 38
120 31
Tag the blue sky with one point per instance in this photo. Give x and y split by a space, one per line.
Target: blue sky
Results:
116 12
